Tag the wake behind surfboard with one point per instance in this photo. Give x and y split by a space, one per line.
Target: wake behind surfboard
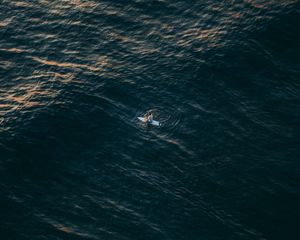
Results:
152 122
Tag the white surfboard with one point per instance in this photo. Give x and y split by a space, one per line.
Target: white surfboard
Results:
153 122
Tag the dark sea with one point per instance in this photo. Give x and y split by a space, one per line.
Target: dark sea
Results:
222 78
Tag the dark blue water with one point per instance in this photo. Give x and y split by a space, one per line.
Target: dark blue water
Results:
222 77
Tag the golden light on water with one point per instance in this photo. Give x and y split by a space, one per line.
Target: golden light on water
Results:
75 66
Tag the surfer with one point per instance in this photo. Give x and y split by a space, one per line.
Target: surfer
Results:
149 116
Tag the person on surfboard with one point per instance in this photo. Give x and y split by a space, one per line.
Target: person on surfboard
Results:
149 116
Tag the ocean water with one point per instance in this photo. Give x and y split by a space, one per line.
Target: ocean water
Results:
222 77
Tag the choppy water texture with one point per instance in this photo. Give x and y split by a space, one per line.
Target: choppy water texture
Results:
221 76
